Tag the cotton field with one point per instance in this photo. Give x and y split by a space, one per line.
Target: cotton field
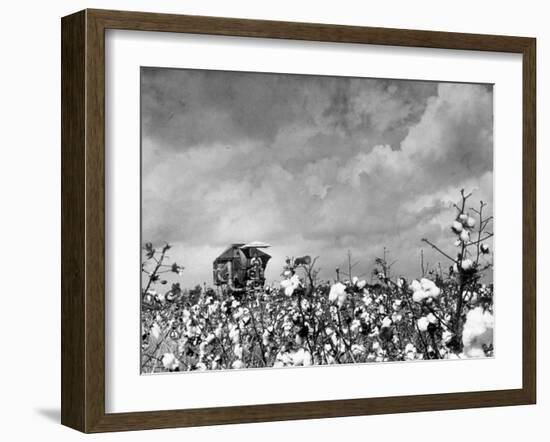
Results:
445 312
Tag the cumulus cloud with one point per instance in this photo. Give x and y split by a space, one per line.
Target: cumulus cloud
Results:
317 165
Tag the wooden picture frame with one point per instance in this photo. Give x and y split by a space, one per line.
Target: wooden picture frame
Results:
83 220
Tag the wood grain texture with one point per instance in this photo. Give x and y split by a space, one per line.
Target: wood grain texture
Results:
73 128
529 221
95 222
83 220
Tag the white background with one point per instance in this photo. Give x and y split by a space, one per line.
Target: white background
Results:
29 174
127 51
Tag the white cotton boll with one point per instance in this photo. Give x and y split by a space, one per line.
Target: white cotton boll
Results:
432 319
470 222
286 358
462 217
396 305
169 361
464 236
478 327
358 349
295 280
457 227
447 336
386 322
237 364
201 366
415 285
361 284
285 283
484 248
424 289
234 335
354 280
418 296
423 323
478 331
336 291
299 357
291 284
355 325
213 308
430 288
474 352
410 352
467 264
375 332
193 331
342 298
238 351
396 317
238 313
155 331
202 348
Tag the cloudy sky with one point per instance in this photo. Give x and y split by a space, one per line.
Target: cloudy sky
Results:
312 165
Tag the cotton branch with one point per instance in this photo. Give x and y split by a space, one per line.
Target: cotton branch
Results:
431 244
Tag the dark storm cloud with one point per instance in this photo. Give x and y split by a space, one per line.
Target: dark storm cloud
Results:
312 165
185 108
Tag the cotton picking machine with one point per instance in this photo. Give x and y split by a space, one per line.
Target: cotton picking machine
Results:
241 266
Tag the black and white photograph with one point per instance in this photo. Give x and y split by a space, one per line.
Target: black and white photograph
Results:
303 220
